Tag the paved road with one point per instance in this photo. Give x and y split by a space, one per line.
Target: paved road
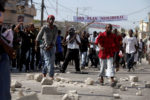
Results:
91 92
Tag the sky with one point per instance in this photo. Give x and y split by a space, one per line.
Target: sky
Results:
136 10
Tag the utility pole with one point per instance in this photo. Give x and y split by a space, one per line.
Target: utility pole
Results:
77 17
56 7
149 23
42 12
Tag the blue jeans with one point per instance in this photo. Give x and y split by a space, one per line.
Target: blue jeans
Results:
130 60
4 77
83 58
49 60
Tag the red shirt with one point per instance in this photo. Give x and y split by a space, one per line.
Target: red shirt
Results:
108 42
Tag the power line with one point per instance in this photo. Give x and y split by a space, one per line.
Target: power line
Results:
69 9
138 11
51 4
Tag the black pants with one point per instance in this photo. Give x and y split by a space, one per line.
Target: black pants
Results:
71 54
116 59
93 57
24 58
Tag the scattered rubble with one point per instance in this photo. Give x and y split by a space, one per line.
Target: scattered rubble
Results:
49 90
29 97
30 76
57 79
56 74
116 96
72 95
133 78
46 81
89 81
122 88
139 93
147 85
38 77
16 84
134 85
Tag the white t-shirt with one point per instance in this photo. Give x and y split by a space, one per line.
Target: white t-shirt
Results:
73 45
148 46
9 35
92 39
130 44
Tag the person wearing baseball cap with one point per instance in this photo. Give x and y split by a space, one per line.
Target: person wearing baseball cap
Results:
48 34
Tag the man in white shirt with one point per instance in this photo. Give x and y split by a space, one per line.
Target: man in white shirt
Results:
148 50
73 42
92 54
130 45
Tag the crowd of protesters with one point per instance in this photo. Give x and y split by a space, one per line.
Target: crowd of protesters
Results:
46 49
127 50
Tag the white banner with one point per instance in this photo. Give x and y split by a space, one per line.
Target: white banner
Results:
99 19
102 25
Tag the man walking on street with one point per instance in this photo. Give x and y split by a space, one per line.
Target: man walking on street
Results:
130 45
106 42
49 35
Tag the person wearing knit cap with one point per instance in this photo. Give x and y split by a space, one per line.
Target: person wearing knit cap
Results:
48 34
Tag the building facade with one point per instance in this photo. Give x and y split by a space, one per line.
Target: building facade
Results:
19 11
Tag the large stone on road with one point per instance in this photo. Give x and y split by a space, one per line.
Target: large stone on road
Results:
49 90
89 81
30 77
16 84
133 78
38 77
29 97
46 81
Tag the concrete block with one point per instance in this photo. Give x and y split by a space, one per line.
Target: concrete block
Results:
29 97
70 97
56 74
57 79
122 88
73 91
147 85
13 88
65 80
49 90
124 79
133 78
139 93
66 97
116 96
89 81
134 85
118 86
30 76
75 83
16 84
27 89
46 81
38 77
